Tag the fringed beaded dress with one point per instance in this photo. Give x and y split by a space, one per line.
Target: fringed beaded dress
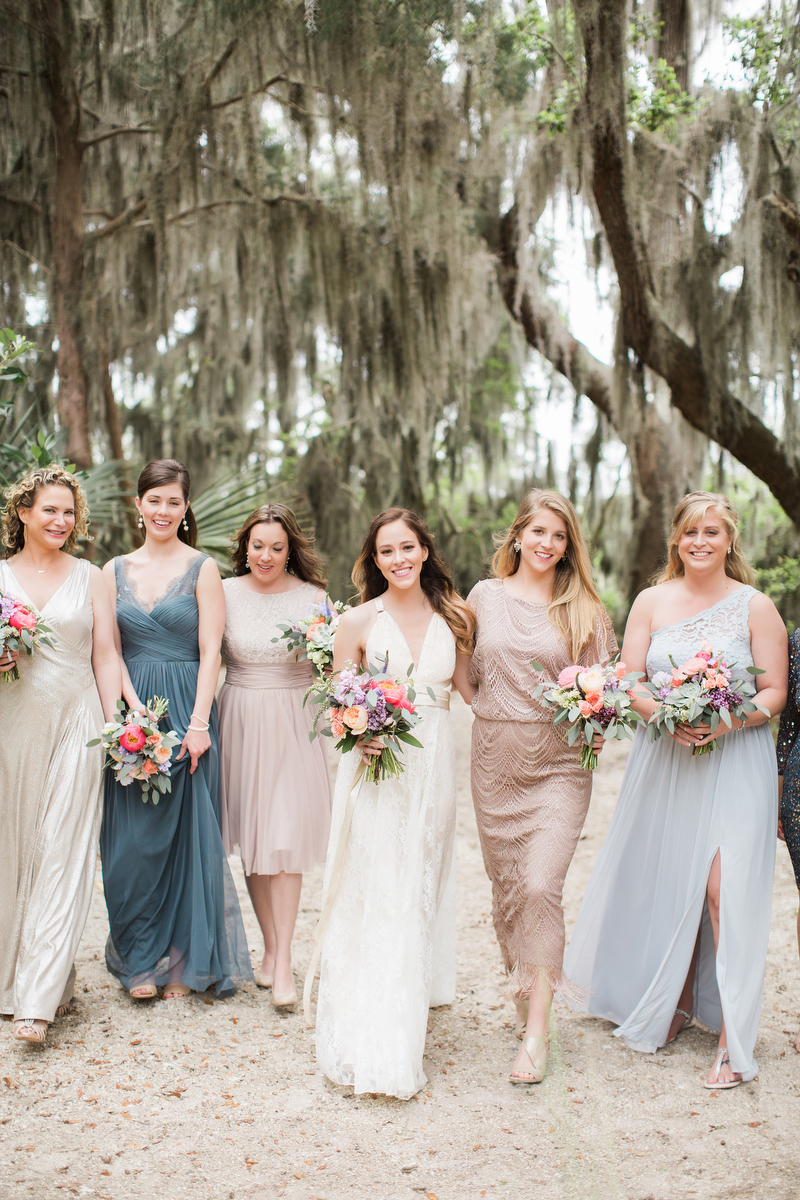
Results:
529 790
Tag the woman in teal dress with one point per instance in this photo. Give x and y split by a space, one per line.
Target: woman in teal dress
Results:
173 912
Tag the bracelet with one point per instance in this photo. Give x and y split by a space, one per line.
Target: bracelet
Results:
201 721
194 729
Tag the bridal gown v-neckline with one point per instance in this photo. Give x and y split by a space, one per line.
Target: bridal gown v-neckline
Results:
389 949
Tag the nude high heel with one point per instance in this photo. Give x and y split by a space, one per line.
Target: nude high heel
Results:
536 1048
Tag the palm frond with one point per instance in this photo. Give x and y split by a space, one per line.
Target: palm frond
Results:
224 506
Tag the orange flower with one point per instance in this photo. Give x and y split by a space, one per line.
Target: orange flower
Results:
153 740
356 717
586 708
163 754
149 767
337 724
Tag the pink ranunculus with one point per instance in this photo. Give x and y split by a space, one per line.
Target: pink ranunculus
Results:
22 618
693 665
133 738
586 708
620 670
568 676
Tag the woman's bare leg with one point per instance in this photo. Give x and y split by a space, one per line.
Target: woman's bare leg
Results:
285 899
539 1004
258 887
726 1074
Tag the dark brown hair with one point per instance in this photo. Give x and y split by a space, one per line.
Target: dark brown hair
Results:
22 494
168 470
304 561
435 578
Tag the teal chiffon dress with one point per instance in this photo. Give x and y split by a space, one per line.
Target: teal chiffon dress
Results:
172 904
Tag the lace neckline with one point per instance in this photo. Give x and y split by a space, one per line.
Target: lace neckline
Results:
174 585
703 611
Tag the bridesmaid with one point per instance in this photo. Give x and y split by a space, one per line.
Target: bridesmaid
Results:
675 920
172 907
788 750
529 790
50 803
276 796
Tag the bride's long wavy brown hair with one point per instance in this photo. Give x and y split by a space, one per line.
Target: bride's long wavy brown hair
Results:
435 578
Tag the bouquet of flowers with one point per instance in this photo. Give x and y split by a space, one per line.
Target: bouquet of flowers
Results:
313 634
701 691
21 628
137 750
592 700
364 704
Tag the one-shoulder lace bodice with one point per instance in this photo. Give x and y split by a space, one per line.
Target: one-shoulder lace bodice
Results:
724 625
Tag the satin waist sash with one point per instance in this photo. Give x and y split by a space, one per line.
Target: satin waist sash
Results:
423 698
270 675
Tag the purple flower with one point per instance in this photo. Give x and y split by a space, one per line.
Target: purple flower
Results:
377 715
724 699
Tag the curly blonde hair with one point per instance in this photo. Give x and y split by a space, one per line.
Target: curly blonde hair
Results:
22 494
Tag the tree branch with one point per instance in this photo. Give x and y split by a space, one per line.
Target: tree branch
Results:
702 398
245 95
19 249
119 222
110 133
32 204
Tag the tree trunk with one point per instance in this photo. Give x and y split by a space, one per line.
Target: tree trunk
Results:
56 19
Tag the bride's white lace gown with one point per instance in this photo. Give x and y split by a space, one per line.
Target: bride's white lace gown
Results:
389 949
636 930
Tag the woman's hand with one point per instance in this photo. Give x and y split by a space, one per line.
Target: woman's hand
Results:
8 659
370 749
598 743
195 745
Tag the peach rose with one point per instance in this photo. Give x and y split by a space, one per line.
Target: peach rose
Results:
163 754
590 681
149 767
693 665
586 708
337 724
356 717
153 740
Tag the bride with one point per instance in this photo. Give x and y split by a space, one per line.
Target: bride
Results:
388 952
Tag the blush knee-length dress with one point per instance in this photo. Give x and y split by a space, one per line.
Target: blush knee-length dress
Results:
529 790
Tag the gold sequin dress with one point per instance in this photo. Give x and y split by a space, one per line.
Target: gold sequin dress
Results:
529 790
49 803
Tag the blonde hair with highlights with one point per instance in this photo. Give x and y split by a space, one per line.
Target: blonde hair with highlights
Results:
23 493
691 509
575 604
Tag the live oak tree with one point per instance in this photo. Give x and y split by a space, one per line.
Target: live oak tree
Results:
371 176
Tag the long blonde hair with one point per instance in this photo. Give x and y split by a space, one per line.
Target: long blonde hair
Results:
435 578
574 605
688 512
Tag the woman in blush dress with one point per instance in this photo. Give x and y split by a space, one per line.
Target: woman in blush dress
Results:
276 799
675 920
529 790
389 950
49 780
172 905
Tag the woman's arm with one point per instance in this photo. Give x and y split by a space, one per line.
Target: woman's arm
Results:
351 635
105 660
635 645
461 678
128 690
210 598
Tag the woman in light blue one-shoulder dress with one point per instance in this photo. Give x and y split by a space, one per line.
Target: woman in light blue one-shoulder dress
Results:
675 920
173 912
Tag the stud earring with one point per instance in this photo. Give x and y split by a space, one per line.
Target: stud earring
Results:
517 546
141 521
729 549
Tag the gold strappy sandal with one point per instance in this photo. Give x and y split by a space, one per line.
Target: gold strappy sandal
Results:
29 1029
536 1048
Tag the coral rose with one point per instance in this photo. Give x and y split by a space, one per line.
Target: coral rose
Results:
693 665
337 724
356 717
149 767
586 708
153 740
163 754
22 618
568 676
133 738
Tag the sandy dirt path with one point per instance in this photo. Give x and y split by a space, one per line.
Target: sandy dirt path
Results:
222 1099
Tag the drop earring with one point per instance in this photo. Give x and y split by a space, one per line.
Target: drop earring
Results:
517 546
247 561
288 556
141 521
185 522
729 549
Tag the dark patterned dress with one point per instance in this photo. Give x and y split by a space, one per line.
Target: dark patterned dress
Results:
788 750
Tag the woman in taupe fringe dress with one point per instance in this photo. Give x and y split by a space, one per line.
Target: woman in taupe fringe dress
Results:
529 790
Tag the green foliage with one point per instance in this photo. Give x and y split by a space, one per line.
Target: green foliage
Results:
222 508
659 101
22 445
782 580
765 48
